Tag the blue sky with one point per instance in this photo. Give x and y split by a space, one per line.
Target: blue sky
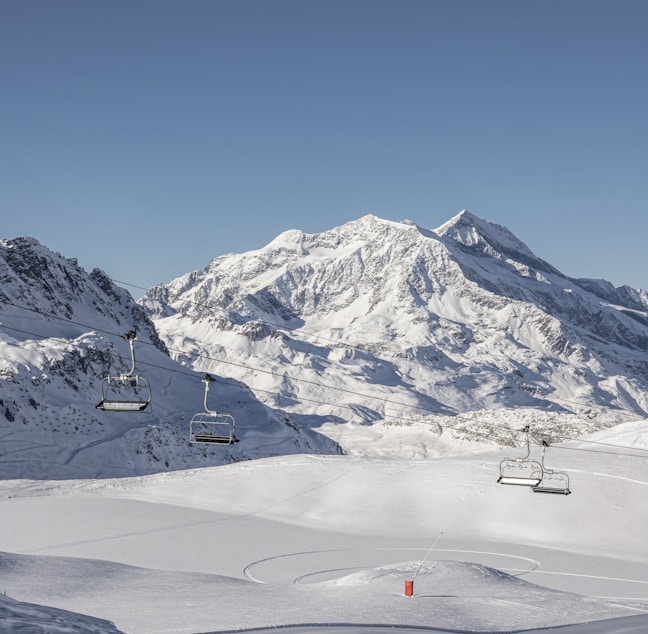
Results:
145 137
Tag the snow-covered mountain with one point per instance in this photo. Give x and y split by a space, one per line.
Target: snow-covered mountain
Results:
61 332
279 541
376 334
389 323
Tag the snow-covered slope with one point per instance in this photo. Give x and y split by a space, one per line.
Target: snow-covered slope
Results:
295 540
386 322
16 616
61 333
373 322
324 539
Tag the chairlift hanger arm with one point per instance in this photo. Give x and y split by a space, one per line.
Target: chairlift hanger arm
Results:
207 380
131 336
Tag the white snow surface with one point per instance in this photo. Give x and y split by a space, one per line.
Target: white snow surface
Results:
421 373
385 322
322 541
61 334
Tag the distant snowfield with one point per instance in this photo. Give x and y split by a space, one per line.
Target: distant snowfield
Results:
330 541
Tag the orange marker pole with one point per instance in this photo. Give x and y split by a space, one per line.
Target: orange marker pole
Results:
409 585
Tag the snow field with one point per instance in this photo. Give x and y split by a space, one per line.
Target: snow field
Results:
332 539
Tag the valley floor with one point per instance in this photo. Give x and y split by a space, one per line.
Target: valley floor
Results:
332 540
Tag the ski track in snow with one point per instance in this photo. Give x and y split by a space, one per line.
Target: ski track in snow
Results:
302 484
185 525
607 475
313 573
330 573
75 452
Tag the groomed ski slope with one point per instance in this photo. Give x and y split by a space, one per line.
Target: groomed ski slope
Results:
325 540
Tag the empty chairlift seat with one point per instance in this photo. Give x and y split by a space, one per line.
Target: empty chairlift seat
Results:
521 471
212 427
552 481
128 392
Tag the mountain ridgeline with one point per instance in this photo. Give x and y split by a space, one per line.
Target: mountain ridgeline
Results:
319 344
379 320
61 333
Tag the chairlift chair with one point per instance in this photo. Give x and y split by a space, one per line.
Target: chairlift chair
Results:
211 427
521 471
129 392
552 481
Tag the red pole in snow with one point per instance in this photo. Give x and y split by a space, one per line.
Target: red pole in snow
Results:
409 584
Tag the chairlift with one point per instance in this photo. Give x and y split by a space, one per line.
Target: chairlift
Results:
211 427
521 471
129 392
552 481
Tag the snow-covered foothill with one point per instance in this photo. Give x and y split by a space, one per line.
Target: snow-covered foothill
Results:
62 332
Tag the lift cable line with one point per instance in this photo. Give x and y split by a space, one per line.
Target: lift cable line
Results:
285 327
282 327
479 435
281 375
262 370
202 356
239 365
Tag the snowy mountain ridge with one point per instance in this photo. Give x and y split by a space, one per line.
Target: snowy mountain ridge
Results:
387 352
379 320
376 335
61 334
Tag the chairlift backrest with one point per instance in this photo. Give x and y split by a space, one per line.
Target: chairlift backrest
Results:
127 392
210 426
521 471
552 481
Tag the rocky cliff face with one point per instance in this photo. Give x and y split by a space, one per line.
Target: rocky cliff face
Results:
378 320
61 334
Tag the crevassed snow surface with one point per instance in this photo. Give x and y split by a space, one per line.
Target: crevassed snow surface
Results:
325 540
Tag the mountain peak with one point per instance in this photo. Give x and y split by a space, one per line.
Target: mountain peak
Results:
463 216
373 220
468 229
488 238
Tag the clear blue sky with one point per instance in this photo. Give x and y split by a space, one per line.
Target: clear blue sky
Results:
146 137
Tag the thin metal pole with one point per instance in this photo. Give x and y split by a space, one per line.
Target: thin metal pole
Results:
427 555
